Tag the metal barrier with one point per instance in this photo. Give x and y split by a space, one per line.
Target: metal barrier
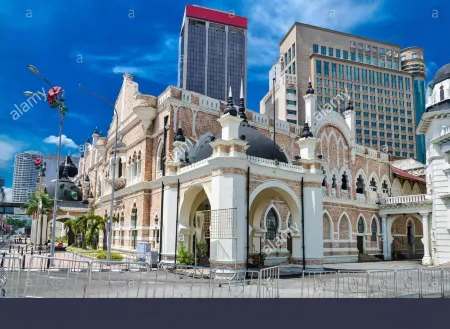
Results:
9 277
352 284
319 284
269 282
407 283
235 283
381 284
446 283
115 279
431 283
56 278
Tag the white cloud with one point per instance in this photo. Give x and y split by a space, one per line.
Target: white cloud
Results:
269 21
65 141
8 148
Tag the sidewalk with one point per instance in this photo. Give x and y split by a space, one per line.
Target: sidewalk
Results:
387 265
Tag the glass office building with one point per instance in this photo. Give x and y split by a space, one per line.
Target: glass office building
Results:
212 52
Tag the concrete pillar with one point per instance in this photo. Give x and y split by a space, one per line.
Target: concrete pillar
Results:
386 254
169 226
426 260
313 207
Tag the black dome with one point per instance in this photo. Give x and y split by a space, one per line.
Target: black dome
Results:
259 146
442 74
72 170
67 191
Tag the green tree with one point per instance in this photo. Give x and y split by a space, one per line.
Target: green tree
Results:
32 206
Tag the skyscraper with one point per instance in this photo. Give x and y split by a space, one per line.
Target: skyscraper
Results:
25 176
341 66
212 52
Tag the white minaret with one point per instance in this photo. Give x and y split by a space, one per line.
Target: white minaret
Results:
229 121
349 116
310 106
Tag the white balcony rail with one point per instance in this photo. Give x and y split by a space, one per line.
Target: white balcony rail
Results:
324 191
406 199
344 194
261 119
360 197
272 164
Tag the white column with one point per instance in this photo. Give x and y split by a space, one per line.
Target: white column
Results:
169 226
426 260
386 254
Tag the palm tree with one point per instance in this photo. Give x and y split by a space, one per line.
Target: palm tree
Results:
41 202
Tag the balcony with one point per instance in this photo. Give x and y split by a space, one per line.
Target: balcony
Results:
407 199
360 197
344 194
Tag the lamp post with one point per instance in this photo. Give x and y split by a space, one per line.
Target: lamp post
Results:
55 102
109 223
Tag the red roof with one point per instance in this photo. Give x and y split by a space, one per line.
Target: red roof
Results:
216 16
407 175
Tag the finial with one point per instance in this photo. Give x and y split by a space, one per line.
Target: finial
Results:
306 132
230 106
310 89
241 113
87 140
180 137
95 131
349 105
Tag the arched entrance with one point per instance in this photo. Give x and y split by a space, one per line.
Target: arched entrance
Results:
273 234
361 235
407 234
194 223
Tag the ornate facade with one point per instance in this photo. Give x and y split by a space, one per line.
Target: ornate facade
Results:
192 168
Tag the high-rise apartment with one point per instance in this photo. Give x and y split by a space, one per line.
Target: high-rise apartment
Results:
212 52
370 72
25 176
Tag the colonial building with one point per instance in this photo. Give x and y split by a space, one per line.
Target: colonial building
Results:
191 168
435 125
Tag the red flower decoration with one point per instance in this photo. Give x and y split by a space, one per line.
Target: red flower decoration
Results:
37 162
52 95
55 91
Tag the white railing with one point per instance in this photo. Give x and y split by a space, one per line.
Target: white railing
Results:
186 96
360 197
260 118
134 180
373 152
324 191
209 103
282 125
296 129
163 97
384 156
333 192
272 164
344 194
372 200
195 165
406 199
360 149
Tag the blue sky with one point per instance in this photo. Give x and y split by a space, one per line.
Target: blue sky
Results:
94 42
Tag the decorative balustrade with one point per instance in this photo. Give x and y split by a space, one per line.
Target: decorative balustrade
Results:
260 118
282 125
344 194
210 103
324 191
406 199
272 164
445 130
163 97
372 152
135 180
186 96
333 192
360 149
360 197
195 165
384 156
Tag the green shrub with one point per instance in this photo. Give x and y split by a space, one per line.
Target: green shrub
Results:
184 256
202 248
103 255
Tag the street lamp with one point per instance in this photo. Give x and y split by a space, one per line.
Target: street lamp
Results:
55 102
116 145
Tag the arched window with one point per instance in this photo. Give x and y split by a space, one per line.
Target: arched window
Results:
360 185
374 230
324 182
271 224
373 185
360 225
441 93
333 184
119 164
344 185
384 187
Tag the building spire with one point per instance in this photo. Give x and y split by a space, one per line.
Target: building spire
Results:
230 106
306 132
241 113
